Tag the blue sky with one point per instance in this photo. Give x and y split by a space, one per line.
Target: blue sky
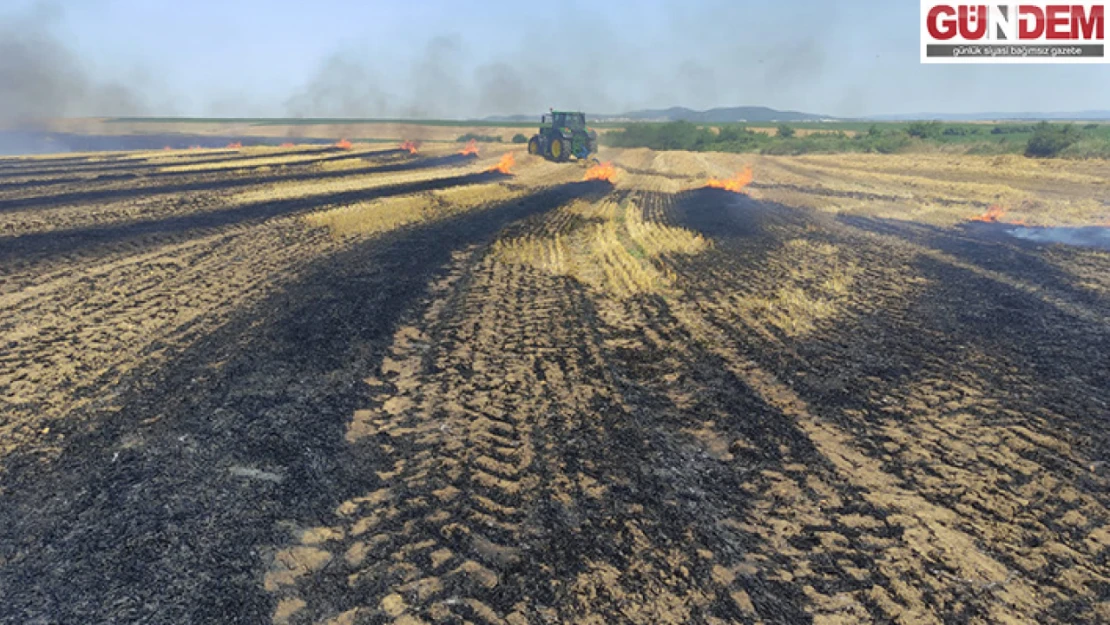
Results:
458 59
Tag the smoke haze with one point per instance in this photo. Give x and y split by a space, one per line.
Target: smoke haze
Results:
41 77
596 66
446 59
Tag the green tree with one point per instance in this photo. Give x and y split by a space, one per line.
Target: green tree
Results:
1049 140
925 130
785 131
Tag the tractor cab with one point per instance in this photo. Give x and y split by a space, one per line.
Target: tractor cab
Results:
574 121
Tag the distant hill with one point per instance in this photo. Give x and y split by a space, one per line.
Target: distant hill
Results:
719 115
763 114
975 117
678 113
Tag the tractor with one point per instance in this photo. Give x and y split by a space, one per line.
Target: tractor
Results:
562 135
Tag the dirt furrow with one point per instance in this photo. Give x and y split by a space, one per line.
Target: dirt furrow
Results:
69 345
462 393
209 457
347 394
562 456
964 446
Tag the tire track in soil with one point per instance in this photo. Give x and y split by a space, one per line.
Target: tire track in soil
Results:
966 442
158 509
151 166
31 251
71 338
464 395
1009 261
117 187
533 450
558 456
462 398
740 498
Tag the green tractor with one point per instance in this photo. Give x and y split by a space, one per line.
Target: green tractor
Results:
562 135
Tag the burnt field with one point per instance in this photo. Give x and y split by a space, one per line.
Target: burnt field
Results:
311 385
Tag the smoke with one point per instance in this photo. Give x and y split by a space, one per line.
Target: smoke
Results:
1091 236
595 65
795 62
504 89
832 58
341 87
434 78
42 78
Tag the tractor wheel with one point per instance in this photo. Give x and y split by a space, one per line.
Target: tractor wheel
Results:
559 149
534 146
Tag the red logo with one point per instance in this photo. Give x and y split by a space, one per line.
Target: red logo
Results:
1028 31
1053 22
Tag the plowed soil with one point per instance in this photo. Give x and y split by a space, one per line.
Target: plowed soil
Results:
307 386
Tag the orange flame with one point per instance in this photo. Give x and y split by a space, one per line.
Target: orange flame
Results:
505 165
604 171
194 147
343 144
167 148
735 184
410 146
235 145
994 215
287 145
471 148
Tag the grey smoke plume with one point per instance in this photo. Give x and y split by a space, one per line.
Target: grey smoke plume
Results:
40 77
1092 236
341 87
596 66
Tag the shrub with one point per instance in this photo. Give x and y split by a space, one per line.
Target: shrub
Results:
470 136
1088 148
669 136
742 140
888 143
736 133
828 143
1011 129
519 138
924 130
785 131
994 148
1049 140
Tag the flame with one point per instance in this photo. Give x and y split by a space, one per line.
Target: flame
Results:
470 149
410 146
505 164
994 215
735 184
194 147
167 148
604 171
343 144
287 145
235 145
